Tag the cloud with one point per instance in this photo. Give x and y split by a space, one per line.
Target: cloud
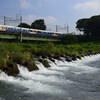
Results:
28 4
25 4
50 19
31 18
89 5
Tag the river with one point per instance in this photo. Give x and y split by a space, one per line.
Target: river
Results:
76 80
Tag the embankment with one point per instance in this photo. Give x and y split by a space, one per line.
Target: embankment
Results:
28 54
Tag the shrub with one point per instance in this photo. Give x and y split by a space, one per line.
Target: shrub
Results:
69 39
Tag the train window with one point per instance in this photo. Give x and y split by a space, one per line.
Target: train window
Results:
11 28
8 28
30 30
39 31
14 28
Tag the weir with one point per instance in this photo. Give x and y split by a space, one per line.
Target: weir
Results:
22 70
72 80
60 62
39 65
51 63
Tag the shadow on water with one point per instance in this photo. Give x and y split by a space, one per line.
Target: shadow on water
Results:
95 64
10 91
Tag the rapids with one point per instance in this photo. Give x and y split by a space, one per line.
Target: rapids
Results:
76 80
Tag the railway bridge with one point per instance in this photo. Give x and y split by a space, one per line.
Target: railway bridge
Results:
27 37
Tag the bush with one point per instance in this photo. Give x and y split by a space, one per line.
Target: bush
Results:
69 39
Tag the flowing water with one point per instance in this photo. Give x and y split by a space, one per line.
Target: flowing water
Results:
77 80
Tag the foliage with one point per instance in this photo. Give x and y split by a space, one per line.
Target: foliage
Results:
82 25
87 38
69 39
89 26
38 24
24 25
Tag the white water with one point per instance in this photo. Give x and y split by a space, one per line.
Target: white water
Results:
39 65
62 81
52 64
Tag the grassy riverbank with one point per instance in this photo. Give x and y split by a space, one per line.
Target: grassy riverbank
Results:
24 53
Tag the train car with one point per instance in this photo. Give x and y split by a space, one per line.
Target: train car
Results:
29 31
13 29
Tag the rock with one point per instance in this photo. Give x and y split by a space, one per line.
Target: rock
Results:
57 57
68 58
63 55
53 60
79 56
12 70
30 65
44 62
44 56
40 60
82 55
51 55
74 58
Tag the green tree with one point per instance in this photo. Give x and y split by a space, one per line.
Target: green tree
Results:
38 24
94 25
82 25
24 25
90 26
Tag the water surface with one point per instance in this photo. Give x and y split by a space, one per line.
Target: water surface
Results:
77 80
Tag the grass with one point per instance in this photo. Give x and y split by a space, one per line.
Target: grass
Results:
26 51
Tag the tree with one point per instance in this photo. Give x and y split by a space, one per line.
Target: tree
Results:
94 25
90 26
82 25
24 25
38 24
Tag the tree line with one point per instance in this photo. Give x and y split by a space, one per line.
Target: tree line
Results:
37 24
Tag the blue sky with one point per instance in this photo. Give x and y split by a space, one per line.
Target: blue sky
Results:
54 12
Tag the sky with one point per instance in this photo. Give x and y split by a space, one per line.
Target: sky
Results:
54 12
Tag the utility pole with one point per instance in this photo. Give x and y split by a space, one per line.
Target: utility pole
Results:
20 28
67 29
56 28
4 20
10 20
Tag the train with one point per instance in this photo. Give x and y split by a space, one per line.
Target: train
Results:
29 31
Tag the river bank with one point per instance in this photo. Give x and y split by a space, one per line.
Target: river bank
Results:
28 54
